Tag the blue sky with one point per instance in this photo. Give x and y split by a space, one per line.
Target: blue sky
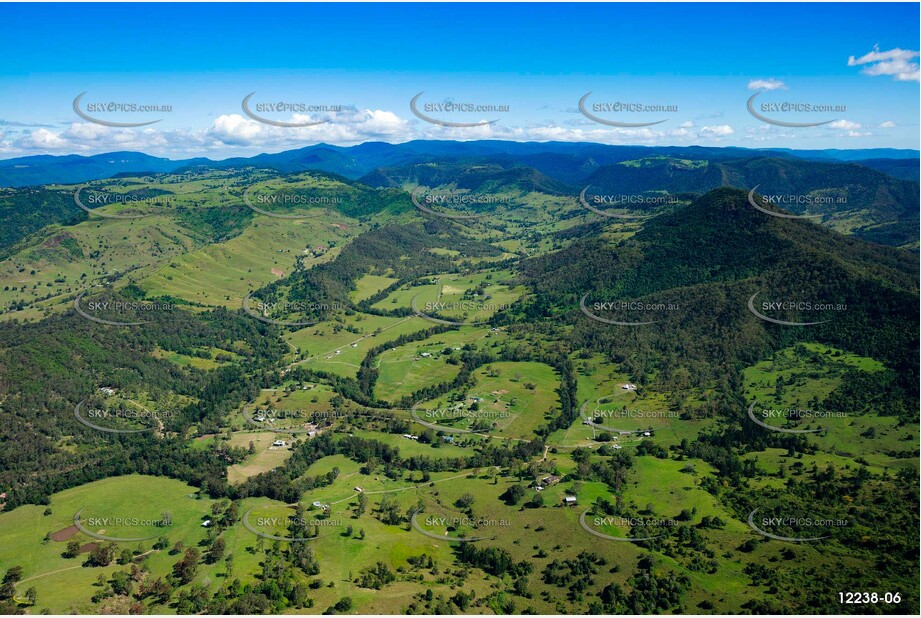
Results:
701 62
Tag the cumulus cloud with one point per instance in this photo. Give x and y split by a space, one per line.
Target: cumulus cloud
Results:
897 63
716 131
235 130
226 134
234 134
844 124
886 125
766 84
43 139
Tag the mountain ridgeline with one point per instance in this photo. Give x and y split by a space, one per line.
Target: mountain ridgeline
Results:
877 201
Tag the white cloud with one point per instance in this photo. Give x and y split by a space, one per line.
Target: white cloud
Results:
720 130
886 125
43 139
766 84
844 124
88 131
380 122
895 62
236 135
234 129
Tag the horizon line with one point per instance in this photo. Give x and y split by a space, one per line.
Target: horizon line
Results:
432 141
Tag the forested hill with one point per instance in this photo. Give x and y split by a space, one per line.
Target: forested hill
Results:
880 208
708 259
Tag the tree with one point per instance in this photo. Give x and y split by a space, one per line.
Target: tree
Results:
465 501
231 514
216 552
13 575
102 555
31 595
187 567
73 549
122 584
513 495
362 505
536 501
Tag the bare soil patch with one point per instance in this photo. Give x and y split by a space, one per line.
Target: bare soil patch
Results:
64 534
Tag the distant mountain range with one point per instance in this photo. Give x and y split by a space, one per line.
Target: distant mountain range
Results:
875 199
566 162
69 169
